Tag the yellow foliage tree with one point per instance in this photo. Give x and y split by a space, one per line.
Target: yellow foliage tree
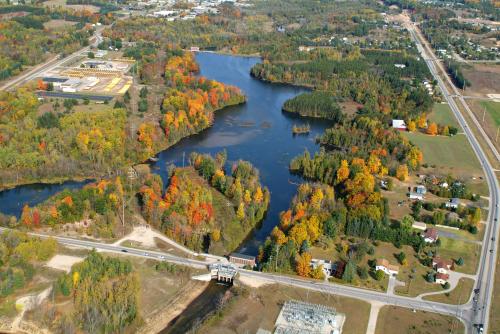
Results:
303 264
278 236
240 213
402 173
258 196
343 171
76 278
412 126
216 235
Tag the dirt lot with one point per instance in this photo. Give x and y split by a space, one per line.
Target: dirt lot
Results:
58 24
485 79
260 307
398 320
62 3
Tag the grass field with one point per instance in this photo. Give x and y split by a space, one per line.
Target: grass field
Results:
453 249
398 320
442 114
458 296
493 109
452 154
259 308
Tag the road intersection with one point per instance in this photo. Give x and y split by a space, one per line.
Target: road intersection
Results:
475 311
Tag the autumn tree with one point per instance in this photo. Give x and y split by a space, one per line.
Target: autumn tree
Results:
432 129
303 264
343 171
402 173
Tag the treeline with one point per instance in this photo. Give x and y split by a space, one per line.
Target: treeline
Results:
203 207
18 253
456 74
369 78
188 105
96 203
104 292
383 151
315 104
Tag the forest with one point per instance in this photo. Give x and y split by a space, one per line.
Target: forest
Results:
315 104
18 254
98 203
203 207
35 146
188 105
103 292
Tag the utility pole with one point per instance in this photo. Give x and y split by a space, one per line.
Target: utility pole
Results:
484 113
496 137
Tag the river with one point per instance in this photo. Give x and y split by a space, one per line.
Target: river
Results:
257 131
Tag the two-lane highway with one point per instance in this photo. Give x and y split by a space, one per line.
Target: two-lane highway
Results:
486 273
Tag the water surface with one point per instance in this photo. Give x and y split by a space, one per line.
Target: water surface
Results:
257 131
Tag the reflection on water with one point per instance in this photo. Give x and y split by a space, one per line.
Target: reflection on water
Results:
257 131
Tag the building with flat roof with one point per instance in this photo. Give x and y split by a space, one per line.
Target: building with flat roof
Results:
242 259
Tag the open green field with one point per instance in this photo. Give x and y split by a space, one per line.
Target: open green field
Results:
458 296
453 154
493 109
442 114
469 251
398 320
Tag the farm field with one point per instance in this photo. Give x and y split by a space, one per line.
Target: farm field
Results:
449 154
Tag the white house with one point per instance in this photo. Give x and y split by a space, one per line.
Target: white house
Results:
416 196
419 226
420 189
399 124
430 235
442 266
386 267
442 278
453 203
327 266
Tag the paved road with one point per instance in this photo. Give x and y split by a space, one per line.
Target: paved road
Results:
433 61
479 314
52 64
342 290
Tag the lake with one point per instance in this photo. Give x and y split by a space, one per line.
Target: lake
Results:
257 131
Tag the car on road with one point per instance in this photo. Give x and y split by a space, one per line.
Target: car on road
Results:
124 250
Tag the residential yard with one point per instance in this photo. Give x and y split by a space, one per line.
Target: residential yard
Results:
259 307
453 249
458 296
398 320
442 114
448 154
413 287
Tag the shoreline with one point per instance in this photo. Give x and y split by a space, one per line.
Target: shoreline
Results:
60 180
